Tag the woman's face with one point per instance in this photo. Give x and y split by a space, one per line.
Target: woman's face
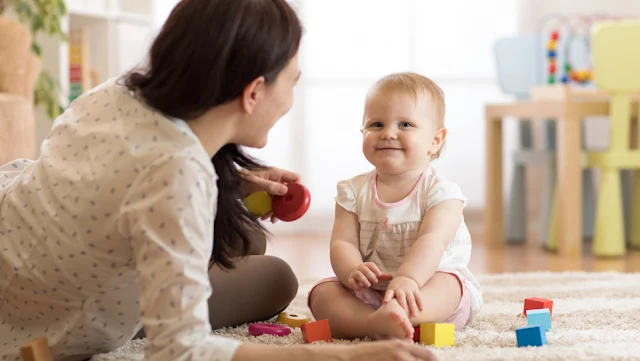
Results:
267 105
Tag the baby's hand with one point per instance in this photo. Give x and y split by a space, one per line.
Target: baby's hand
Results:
407 292
365 275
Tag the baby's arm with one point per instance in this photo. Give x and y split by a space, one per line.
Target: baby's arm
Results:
344 244
438 228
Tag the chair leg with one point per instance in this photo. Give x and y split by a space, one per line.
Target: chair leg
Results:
548 224
634 218
516 210
608 239
588 203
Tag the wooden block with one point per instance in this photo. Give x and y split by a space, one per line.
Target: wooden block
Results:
539 317
316 331
37 350
416 334
292 319
531 336
437 334
535 303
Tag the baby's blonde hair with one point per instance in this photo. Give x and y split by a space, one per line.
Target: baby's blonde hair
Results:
413 85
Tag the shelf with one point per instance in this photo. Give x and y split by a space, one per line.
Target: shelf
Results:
97 9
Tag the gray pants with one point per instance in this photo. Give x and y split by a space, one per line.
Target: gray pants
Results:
258 288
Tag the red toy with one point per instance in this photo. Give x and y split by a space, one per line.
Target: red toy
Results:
292 205
535 303
257 329
316 331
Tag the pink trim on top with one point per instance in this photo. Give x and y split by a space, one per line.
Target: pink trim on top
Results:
374 191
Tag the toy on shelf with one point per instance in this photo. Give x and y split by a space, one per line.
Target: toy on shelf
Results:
568 46
288 207
292 319
257 329
316 331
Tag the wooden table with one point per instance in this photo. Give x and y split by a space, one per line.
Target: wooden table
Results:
568 107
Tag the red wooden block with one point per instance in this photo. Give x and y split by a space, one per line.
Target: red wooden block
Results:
416 334
535 303
316 331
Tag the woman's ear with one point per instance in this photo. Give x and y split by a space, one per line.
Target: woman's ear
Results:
252 93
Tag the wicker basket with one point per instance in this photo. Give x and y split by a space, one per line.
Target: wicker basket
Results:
19 69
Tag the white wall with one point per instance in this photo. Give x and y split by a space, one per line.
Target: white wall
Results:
348 45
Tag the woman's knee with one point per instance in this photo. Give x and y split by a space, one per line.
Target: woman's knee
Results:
282 278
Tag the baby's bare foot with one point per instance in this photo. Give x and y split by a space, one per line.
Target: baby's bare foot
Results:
390 321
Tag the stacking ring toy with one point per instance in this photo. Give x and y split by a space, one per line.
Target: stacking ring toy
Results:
292 205
292 320
257 329
288 207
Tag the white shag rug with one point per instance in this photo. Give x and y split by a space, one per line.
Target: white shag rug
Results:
596 316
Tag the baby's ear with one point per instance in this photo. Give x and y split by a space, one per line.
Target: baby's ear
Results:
438 140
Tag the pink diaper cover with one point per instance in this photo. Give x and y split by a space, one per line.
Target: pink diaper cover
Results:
373 298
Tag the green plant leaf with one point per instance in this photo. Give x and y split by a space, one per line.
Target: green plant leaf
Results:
42 16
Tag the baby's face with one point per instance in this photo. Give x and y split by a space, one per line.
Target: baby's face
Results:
399 132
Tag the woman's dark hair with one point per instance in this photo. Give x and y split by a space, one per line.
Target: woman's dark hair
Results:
206 53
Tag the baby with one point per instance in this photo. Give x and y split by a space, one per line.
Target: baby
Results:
400 248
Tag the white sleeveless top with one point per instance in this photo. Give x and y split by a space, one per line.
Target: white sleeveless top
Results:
388 230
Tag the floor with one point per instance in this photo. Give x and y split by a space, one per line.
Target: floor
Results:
308 255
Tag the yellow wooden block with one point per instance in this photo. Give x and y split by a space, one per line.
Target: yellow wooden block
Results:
292 319
258 203
437 334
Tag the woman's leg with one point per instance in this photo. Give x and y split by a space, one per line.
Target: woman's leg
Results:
258 288
347 314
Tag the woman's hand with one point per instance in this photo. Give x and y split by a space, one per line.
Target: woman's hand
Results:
394 350
407 292
271 180
365 275
388 350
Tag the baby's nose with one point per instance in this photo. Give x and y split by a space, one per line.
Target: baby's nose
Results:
389 133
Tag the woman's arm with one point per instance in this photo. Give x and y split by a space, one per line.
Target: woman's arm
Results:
169 215
438 228
344 252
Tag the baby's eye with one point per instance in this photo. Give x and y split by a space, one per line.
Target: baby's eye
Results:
405 124
375 125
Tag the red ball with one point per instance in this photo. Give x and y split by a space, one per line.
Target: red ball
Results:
292 205
554 35
552 68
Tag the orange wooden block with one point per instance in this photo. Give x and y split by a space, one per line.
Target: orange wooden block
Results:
37 350
535 303
316 331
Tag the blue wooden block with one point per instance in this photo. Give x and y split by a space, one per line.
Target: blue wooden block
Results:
540 317
531 336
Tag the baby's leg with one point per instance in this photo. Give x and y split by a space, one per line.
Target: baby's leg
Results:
440 299
347 314
441 296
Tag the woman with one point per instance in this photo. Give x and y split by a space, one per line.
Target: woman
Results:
111 226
